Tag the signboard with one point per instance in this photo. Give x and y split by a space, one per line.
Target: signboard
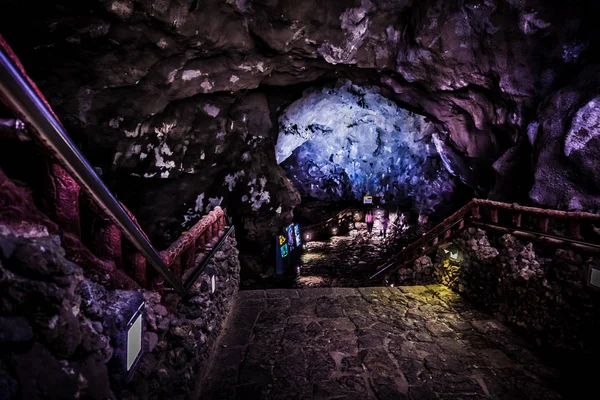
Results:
368 200
291 237
297 235
134 341
282 252
283 246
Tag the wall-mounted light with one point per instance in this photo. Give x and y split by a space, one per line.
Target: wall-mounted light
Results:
307 237
453 254
334 230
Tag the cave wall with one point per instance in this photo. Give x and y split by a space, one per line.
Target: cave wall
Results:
53 341
166 97
544 292
343 141
59 319
57 330
180 337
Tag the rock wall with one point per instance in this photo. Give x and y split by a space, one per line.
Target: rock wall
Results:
56 327
543 291
420 273
52 337
168 96
180 336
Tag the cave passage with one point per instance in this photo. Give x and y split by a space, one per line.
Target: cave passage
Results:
342 142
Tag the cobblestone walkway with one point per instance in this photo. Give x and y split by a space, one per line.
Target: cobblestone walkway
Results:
419 342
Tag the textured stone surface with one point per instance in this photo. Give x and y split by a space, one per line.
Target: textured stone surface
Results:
349 259
181 333
344 141
176 98
52 347
543 290
380 349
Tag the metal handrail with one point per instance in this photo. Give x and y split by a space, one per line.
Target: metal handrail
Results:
461 215
22 99
423 240
202 266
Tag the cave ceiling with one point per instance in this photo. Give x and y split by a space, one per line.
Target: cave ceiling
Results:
186 95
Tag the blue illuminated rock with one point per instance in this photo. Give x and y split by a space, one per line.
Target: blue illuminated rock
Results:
344 142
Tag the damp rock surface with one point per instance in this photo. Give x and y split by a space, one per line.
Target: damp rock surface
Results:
417 342
344 142
543 290
169 98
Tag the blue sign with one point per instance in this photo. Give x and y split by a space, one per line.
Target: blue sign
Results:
298 236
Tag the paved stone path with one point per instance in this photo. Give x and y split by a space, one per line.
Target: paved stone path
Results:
418 342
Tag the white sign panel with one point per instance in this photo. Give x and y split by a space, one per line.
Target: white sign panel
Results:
134 341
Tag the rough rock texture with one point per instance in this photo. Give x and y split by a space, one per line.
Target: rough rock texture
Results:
543 291
56 326
52 335
345 142
418 342
20 213
420 273
180 337
566 136
151 87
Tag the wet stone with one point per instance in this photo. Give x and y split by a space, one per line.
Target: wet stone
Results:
295 387
388 389
328 345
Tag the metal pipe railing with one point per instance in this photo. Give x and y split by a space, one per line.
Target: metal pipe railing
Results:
22 99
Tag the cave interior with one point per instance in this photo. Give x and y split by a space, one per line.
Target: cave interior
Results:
282 112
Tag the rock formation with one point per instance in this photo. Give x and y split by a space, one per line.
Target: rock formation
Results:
176 102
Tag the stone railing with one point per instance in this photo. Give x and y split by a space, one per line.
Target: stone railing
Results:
65 202
74 197
185 253
552 226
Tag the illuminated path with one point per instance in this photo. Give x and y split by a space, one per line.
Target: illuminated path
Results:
418 342
348 260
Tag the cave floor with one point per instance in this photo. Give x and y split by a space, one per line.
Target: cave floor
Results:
417 342
343 260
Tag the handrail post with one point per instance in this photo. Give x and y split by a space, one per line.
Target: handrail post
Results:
136 267
543 224
494 215
475 212
63 198
188 258
106 238
516 219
